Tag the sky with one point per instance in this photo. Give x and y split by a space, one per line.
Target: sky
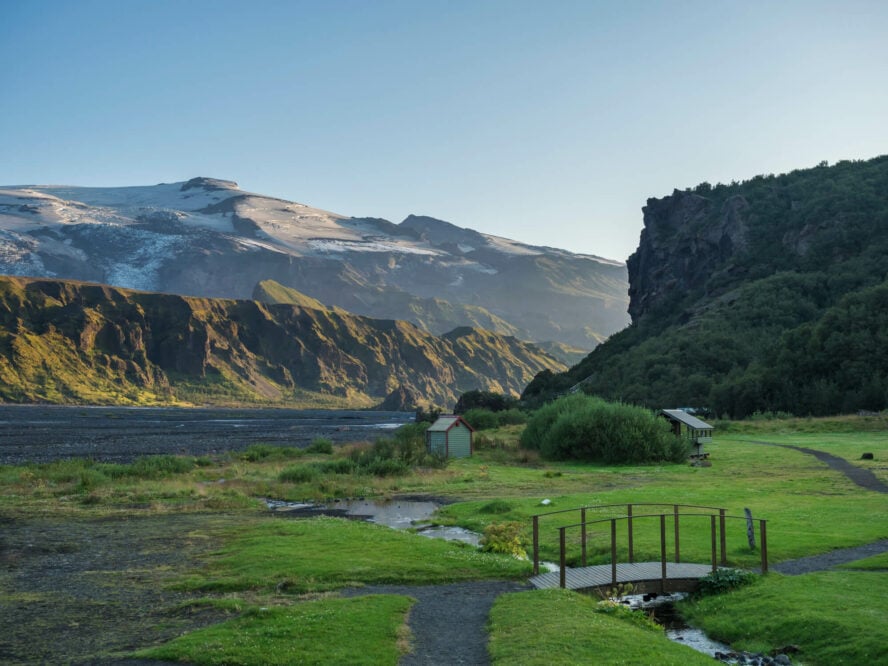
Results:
548 122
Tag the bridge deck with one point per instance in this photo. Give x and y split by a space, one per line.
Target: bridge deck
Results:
601 576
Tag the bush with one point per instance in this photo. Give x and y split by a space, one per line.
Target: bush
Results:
481 419
257 452
490 400
503 538
723 580
581 427
298 474
511 417
320 445
341 466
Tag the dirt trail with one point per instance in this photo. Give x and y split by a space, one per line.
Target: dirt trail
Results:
862 477
449 622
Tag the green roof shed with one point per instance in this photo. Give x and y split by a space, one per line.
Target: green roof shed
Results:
450 437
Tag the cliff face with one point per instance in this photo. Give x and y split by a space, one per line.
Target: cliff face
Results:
766 295
686 239
74 342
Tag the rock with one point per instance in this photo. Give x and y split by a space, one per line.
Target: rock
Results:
782 659
867 456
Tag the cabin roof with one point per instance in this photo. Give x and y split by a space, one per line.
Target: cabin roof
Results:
683 417
446 422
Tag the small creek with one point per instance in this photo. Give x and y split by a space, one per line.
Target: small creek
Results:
416 514
398 514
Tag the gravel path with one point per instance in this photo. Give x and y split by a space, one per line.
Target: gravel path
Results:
862 477
449 622
828 560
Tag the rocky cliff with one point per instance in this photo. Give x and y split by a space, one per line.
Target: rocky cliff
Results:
767 295
63 341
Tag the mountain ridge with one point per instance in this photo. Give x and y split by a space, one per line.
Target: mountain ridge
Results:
207 238
85 343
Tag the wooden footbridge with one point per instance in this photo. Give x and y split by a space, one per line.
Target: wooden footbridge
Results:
704 527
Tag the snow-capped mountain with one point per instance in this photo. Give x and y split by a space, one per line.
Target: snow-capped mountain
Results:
206 237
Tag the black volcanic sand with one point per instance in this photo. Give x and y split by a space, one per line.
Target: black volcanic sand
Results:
78 591
119 434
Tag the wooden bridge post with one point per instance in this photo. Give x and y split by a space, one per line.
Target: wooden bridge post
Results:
663 553
629 523
763 537
675 512
613 551
723 537
583 536
714 553
563 568
536 545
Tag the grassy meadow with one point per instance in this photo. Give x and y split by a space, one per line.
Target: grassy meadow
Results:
267 574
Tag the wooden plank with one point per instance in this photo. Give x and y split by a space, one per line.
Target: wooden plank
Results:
636 572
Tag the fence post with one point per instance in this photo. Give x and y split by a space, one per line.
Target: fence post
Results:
723 537
675 512
583 537
764 539
714 555
613 551
563 575
536 545
629 523
663 553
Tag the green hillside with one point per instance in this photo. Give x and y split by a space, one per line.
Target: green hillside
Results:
766 295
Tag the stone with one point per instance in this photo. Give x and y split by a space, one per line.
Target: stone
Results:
867 456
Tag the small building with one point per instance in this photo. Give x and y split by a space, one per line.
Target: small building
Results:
450 436
691 428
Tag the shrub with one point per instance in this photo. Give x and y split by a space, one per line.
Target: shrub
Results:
490 400
257 452
151 467
723 580
504 538
341 466
511 417
298 474
481 419
320 445
581 427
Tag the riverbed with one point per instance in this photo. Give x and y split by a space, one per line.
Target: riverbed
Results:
42 433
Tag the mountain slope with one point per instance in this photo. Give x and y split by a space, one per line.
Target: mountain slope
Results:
765 295
86 343
207 238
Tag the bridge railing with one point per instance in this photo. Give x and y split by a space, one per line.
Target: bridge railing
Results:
678 511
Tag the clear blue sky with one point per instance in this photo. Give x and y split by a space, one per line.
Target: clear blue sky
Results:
550 122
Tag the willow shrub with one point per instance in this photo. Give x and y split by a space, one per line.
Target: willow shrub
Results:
582 427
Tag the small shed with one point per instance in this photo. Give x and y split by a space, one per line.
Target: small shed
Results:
691 428
450 436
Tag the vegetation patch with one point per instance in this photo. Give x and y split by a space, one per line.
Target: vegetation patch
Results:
554 627
836 617
319 554
581 427
309 632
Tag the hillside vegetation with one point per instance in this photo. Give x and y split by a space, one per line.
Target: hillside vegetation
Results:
68 342
767 295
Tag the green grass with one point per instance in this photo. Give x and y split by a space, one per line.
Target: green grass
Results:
836 617
874 563
266 561
553 627
298 556
809 508
367 630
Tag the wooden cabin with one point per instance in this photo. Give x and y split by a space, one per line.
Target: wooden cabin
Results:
689 427
451 437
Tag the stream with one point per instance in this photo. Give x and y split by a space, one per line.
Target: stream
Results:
416 514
